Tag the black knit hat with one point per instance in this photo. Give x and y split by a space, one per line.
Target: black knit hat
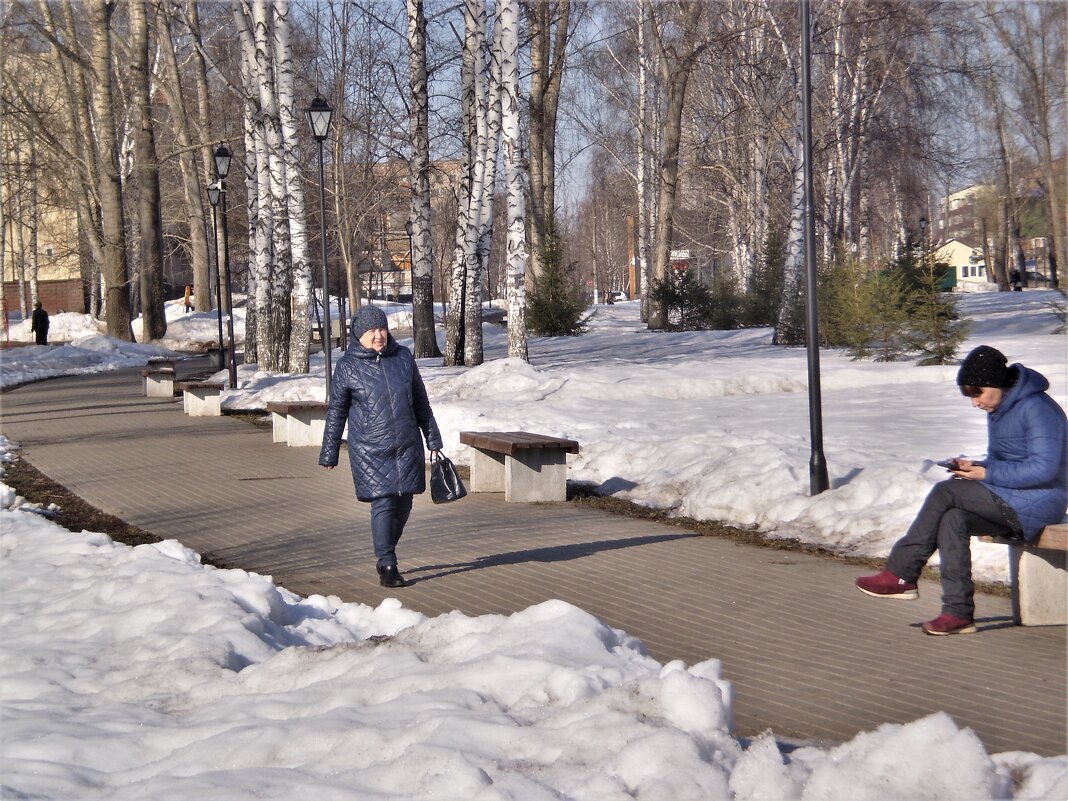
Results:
985 367
366 318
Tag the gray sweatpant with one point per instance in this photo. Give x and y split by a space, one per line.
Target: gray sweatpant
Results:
954 511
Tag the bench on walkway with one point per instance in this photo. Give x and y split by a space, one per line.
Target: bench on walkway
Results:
526 467
162 363
159 382
335 333
1038 572
202 398
298 424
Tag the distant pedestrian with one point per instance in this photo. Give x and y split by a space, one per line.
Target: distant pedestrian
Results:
377 389
39 325
1016 491
188 298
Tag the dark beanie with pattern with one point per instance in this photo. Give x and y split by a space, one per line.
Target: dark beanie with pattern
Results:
366 318
985 367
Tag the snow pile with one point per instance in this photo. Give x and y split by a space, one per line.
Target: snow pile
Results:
133 673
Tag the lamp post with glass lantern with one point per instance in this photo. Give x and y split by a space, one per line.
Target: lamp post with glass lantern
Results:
222 169
213 197
319 114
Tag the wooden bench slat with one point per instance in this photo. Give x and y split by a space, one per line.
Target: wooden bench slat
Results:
1052 538
287 407
511 442
201 385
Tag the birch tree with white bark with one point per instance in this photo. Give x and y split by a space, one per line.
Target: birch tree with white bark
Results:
515 173
463 321
422 255
257 186
301 276
273 316
146 170
113 219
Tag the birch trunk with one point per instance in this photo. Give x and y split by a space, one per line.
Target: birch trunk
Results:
465 255
193 189
508 25
422 257
114 266
643 271
789 324
274 319
789 327
488 88
33 225
146 170
300 326
258 183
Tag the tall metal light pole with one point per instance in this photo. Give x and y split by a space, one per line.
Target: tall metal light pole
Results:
817 465
222 169
214 191
319 114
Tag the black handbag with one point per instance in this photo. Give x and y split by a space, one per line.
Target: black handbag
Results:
445 483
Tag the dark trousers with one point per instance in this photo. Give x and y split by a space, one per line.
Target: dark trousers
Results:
954 511
388 517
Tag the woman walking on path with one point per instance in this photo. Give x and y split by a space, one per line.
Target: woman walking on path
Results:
1016 491
377 389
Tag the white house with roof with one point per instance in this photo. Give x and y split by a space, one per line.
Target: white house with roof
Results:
968 266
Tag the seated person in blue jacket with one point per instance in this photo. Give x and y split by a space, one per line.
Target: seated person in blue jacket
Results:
1016 491
377 388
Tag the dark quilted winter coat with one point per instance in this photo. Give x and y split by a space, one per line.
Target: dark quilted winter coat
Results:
383 398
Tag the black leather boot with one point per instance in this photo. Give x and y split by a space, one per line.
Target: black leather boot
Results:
389 576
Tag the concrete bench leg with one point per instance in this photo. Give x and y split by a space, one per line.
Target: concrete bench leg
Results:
279 427
159 387
487 471
305 429
536 476
201 405
1039 586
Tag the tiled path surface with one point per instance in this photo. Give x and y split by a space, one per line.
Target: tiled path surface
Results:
809 656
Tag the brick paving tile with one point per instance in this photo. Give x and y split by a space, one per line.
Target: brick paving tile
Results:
808 656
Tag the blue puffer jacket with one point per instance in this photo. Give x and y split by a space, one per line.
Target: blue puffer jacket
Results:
1027 454
385 402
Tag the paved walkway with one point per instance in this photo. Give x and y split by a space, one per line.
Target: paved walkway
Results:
809 656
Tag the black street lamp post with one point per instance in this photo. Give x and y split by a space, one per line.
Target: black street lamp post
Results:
319 114
817 465
222 169
213 197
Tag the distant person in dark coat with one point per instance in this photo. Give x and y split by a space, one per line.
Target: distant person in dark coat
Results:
1016 491
377 389
39 326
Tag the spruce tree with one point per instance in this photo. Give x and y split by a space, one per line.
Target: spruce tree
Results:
555 304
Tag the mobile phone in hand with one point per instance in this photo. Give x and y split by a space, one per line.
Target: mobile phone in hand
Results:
949 464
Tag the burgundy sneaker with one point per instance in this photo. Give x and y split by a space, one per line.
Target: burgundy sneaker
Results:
887 585
949 624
